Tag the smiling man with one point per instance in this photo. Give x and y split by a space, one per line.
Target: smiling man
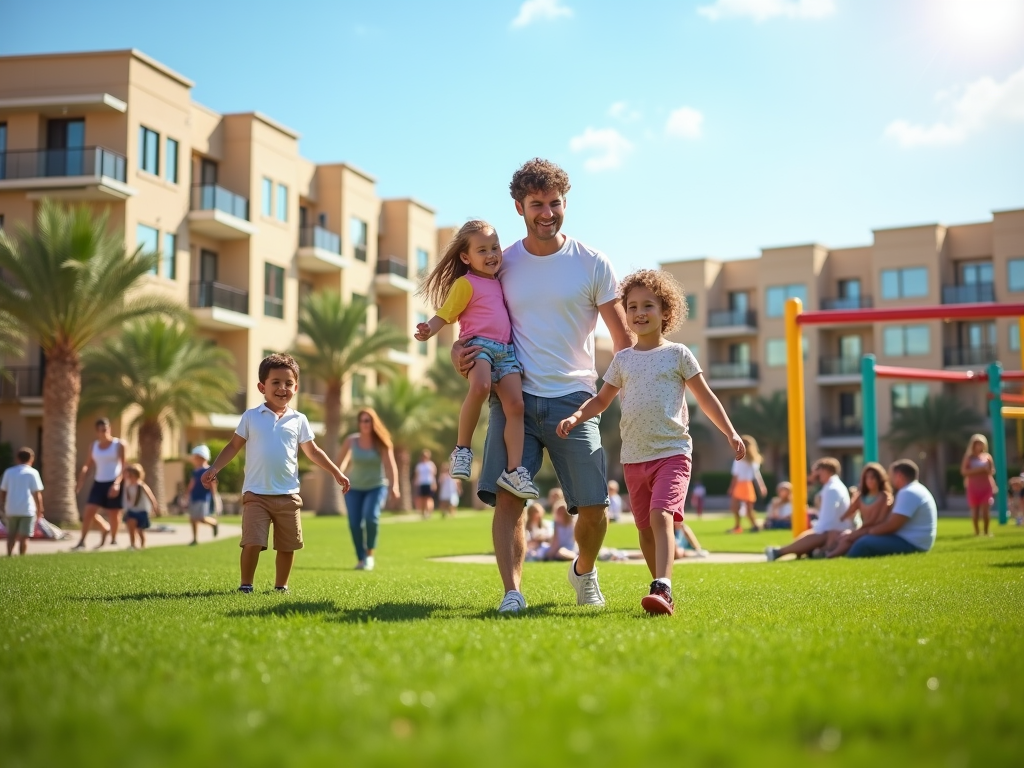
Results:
555 288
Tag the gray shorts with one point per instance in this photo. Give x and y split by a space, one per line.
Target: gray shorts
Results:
578 459
198 510
501 357
19 525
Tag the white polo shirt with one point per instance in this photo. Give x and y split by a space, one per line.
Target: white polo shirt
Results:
272 449
21 483
835 500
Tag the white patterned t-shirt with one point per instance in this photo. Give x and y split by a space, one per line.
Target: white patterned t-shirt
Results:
655 421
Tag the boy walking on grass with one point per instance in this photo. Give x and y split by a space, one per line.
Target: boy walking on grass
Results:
272 434
21 498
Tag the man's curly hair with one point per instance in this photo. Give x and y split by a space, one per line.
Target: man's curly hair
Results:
665 287
538 175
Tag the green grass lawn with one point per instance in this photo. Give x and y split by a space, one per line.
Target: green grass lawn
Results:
152 659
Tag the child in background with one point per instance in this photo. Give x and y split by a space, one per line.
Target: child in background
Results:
538 533
1017 498
780 510
465 286
614 502
21 499
200 499
698 493
555 495
745 472
653 376
448 491
139 504
979 471
687 544
563 541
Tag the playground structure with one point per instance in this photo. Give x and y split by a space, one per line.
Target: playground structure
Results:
796 318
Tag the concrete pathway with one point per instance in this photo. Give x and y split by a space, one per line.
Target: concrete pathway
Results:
635 559
176 534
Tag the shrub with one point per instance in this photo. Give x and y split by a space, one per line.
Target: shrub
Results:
6 456
229 479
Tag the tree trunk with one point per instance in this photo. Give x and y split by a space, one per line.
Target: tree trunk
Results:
62 388
330 500
938 464
402 459
151 451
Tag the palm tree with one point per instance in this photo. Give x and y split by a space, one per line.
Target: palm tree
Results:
11 340
340 348
412 415
165 375
68 283
767 419
932 426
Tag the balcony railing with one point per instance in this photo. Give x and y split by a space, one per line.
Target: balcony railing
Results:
208 294
968 294
848 302
724 318
838 366
50 163
846 426
210 197
392 266
969 355
359 251
18 382
318 237
732 371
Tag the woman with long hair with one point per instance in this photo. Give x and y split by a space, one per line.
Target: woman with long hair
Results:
745 473
373 473
874 495
978 469
106 457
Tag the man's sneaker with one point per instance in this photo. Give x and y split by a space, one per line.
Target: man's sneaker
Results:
514 602
368 563
245 589
588 591
518 483
460 463
281 589
659 601
771 553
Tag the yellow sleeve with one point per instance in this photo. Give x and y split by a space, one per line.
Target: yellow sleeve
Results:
457 301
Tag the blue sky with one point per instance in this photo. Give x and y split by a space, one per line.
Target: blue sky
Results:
711 127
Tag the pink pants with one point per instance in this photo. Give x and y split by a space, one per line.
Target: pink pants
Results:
657 484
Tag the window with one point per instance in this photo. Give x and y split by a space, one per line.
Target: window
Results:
282 202
3 150
849 347
691 306
149 150
972 274
358 234
849 289
266 197
172 160
358 387
148 239
422 262
739 353
422 345
739 301
905 340
849 406
777 295
273 290
908 396
978 335
1015 270
1014 328
904 283
775 353
170 256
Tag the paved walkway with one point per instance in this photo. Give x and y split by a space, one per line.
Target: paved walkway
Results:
176 534
636 558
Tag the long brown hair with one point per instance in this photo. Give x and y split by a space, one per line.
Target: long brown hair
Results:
381 436
750 445
884 485
450 266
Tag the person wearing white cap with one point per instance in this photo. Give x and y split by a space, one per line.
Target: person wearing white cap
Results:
200 498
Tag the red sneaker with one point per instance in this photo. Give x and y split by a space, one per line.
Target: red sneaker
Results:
660 599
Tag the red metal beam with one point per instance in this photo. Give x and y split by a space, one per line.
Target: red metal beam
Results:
1009 399
940 312
924 374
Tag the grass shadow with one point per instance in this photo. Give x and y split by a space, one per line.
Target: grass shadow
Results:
329 611
1017 564
142 596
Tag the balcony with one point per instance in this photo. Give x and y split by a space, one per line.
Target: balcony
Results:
19 383
731 322
400 355
219 213
733 375
392 278
968 294
79 173
839 370
848 303
320 250
848 432
220 307
239 403
965 357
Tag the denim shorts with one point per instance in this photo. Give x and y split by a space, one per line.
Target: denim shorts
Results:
501 357
578 459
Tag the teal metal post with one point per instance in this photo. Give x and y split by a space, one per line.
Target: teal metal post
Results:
869 407
995 409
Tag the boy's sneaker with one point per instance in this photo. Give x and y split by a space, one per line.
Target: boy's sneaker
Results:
245 589
514 602
460 463
281 589
216 530
518 483
771 554
588 591
659 601
368 563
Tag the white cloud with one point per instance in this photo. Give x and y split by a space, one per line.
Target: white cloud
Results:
610 148
540 10
981 104
621 110
684 123
762 10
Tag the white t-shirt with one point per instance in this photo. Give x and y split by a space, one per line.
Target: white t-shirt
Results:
552 301
745 471
272 449
425 471
107 461
135 499
655 421
21 482
835 500
916 503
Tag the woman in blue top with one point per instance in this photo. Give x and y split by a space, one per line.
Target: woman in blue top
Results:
371 455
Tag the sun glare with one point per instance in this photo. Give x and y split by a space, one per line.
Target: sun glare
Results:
982 21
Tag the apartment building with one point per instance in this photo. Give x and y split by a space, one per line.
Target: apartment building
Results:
736 325
245 225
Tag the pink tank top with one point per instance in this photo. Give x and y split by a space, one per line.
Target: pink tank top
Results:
486 314
978 482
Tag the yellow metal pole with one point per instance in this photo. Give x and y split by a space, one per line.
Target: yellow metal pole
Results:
1013 411
797 418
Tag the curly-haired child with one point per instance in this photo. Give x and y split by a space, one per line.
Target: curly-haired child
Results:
652 377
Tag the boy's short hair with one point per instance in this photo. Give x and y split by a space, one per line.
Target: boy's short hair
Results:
104 422
538 175
905 467
25 455
277 360
664 286
832 465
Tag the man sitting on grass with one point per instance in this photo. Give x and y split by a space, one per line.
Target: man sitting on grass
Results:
909 527
835 500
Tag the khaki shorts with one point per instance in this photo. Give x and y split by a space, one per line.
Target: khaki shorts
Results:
21 526
258 512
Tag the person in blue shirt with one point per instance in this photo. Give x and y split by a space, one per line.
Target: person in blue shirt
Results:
200 498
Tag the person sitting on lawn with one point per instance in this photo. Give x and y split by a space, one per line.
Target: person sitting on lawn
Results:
874 495
563 543
21 499
687 544
614 502
835 500
1017 498
780 510
910 526
538 532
